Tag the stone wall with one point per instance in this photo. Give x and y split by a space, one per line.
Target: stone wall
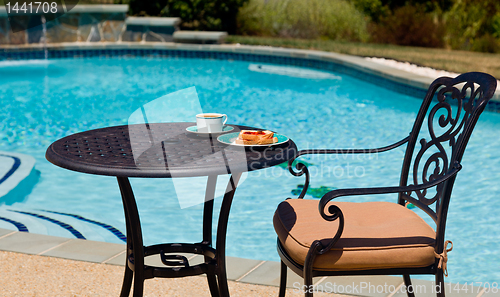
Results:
83 23
96 23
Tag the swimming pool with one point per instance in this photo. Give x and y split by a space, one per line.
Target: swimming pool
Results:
44 100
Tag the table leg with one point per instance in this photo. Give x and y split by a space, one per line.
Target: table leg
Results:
221 234
207 229
135 245
128 275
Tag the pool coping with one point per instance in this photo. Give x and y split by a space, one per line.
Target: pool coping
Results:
355 62
357 66
238 269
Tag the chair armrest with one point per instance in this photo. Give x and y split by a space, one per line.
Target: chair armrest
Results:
383 190
336 213
350 151
302 168
342 151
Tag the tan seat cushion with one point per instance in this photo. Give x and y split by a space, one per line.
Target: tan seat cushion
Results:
377 235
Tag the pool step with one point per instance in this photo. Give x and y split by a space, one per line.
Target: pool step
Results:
17 176
58 224
166 29
200 37
144 29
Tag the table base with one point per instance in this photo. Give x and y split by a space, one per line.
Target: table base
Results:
214 265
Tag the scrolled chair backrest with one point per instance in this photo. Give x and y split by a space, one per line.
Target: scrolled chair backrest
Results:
439 137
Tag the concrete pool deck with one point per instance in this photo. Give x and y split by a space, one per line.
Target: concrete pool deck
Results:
43 265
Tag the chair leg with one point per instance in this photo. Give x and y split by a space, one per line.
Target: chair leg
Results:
283 280
308 268
409 288
308 284
440 284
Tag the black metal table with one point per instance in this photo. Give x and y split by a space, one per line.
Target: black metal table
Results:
167 151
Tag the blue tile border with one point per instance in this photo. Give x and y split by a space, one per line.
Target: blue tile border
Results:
68 227
110 228
274 57
20 226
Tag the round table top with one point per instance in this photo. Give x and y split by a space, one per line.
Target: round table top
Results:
161 150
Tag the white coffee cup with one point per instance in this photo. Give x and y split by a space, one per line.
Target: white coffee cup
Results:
210 122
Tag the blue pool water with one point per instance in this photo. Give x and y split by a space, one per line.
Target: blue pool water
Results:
43 101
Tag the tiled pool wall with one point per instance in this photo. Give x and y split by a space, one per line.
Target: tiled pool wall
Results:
358 67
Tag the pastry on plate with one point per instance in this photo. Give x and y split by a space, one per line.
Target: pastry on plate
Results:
254 137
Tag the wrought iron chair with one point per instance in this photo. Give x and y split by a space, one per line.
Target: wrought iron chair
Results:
382 238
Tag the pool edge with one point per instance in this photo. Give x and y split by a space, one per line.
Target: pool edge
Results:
372 72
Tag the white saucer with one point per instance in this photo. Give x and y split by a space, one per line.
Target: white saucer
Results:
194 130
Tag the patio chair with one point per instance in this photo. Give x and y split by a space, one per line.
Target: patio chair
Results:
329 238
